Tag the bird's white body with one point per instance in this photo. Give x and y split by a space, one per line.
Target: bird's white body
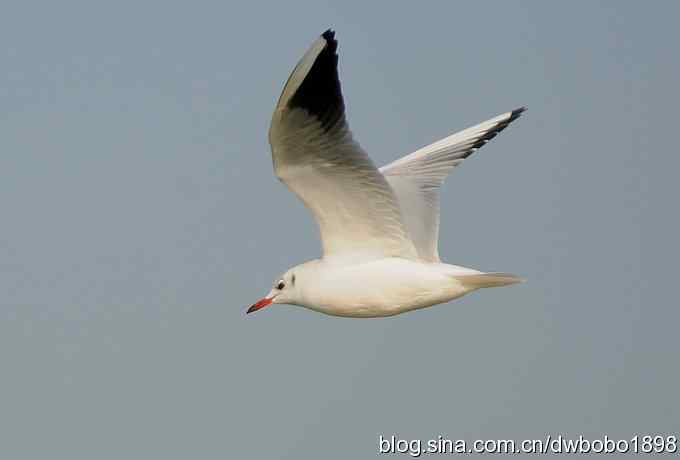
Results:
382 287
379 227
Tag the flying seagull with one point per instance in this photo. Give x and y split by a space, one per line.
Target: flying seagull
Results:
379 227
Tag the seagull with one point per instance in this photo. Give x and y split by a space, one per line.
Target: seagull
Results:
379 228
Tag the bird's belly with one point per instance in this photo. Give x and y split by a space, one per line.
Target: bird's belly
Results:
376 307
376 291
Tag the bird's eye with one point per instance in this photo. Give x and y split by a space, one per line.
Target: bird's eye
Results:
281 285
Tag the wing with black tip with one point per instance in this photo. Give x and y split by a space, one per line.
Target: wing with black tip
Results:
315 155
416 179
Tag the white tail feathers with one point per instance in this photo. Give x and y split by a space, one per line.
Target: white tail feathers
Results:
483 280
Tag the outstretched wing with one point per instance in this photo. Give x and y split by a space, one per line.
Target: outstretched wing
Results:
416 179
315 156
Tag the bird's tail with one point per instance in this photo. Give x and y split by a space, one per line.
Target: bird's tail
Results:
483 280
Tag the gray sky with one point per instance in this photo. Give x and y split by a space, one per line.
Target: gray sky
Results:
140 217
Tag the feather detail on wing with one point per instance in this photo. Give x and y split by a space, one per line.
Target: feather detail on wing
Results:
416 179
315 155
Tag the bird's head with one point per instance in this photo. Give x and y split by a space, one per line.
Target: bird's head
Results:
283 291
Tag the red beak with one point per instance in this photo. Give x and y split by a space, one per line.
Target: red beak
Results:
259 304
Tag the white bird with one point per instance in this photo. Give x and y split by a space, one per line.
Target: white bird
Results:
379 227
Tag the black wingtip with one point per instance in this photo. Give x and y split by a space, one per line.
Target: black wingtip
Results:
331 42
320 93
329 35
515 114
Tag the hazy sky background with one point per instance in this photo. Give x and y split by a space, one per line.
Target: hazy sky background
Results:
140 217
